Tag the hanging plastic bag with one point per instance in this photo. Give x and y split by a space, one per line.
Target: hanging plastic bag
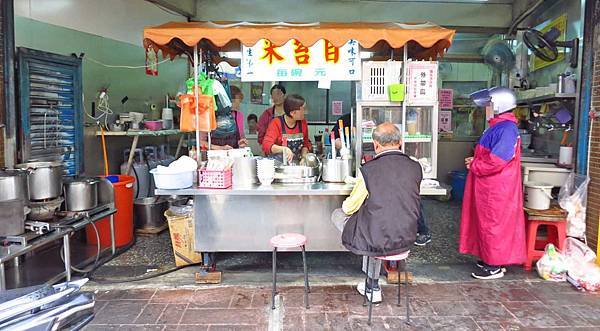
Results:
552 265
206 114
581 266
220 93
573 198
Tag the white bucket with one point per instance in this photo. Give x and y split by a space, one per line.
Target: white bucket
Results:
537 195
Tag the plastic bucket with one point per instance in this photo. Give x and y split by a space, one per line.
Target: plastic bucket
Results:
123 217
458 179
537 195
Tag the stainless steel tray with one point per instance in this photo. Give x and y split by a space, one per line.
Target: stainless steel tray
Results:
290 180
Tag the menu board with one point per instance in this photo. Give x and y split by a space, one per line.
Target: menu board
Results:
422 83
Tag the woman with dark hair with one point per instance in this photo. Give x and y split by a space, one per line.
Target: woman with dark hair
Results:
293 127
236 101
277 96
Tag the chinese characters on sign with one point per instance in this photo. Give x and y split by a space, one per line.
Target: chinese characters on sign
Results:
445 123
297 62
337 107
422 83
446 98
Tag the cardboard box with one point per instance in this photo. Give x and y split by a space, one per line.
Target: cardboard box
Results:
182 239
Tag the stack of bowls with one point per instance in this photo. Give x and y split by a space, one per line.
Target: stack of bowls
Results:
265 170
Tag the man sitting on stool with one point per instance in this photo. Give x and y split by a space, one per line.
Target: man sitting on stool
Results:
379 218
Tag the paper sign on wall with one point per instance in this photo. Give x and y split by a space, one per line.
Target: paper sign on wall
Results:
445 123
336 107
446 98
422 82
296 62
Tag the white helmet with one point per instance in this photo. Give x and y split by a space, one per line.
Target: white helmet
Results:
503 99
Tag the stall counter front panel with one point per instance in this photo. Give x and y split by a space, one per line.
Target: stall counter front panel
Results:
244 218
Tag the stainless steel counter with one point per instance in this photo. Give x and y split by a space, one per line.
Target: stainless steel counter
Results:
244 218
319 188
273 189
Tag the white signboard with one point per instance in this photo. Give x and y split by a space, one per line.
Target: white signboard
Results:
296 62
422 83
445 123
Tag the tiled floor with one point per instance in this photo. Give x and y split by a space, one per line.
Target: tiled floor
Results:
500 305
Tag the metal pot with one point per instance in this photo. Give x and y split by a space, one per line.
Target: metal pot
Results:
13 185
81 194
336 170
12 217
150 212
244 171
44 179
44 210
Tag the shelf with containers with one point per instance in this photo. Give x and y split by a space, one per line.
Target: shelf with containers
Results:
416 116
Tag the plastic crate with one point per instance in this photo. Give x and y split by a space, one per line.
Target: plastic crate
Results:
215 178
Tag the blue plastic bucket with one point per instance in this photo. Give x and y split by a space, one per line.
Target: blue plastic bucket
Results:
458 179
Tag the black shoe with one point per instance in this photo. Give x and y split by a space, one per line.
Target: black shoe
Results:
423 239
488 272
482 265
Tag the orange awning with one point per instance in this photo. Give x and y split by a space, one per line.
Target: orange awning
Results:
425 41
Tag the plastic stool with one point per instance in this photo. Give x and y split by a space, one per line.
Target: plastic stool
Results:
392 258
557 234
288 241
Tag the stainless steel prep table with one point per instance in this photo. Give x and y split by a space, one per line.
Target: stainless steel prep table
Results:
244 218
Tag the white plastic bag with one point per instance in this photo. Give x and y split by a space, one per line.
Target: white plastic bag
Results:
573 198
581 265
552 265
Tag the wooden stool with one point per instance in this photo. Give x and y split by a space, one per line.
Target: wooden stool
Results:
289 241
555 219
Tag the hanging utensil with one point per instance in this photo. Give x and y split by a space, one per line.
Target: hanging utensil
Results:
332 137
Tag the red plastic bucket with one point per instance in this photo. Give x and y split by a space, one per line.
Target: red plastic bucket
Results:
123 217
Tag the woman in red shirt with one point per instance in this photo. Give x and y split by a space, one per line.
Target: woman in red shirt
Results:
293 127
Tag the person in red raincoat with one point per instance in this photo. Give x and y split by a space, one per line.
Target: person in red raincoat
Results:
492 223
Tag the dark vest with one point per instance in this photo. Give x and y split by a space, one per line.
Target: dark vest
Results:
386 223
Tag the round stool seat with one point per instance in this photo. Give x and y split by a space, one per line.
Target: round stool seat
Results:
288 240
397 257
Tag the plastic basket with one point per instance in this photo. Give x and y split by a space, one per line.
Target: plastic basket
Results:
215 178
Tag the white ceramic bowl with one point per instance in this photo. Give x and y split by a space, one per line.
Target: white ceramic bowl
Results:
265 181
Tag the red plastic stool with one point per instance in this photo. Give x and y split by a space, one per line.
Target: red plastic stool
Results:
555 219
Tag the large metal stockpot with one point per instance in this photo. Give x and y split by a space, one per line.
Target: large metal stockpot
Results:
336 170
44 179
12 217
244 171
150 212
13 185
81 193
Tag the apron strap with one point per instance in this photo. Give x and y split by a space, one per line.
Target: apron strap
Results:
283 126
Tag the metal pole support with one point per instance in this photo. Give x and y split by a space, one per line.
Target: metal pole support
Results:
67 251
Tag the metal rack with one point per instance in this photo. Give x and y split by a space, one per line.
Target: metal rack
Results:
51 111
16 246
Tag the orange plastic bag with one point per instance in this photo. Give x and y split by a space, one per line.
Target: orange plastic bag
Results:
206 113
